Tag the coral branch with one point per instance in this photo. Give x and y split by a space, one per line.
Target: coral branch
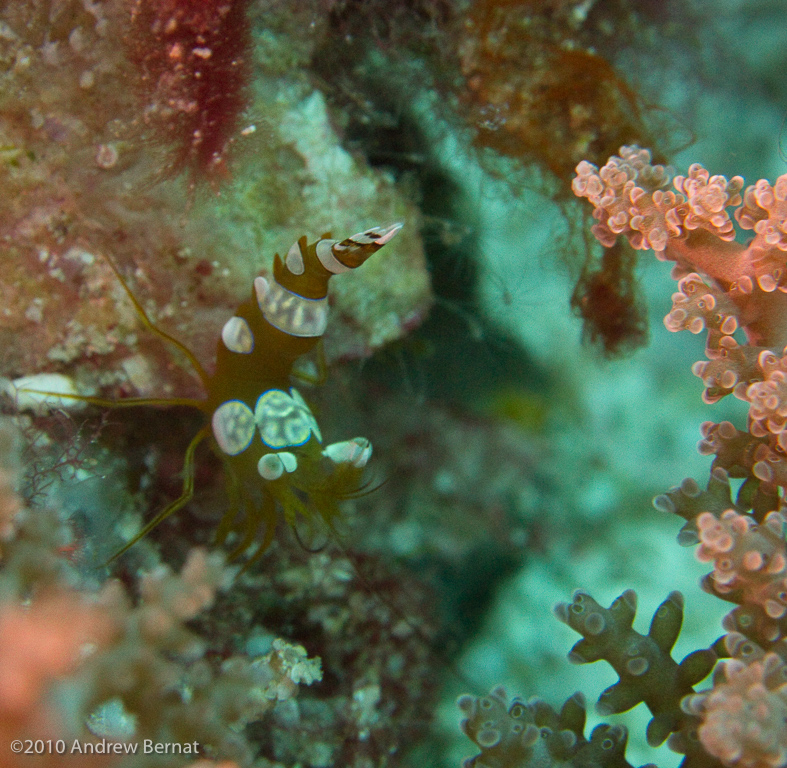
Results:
723 286
690 225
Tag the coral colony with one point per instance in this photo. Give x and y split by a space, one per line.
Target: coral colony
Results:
724 287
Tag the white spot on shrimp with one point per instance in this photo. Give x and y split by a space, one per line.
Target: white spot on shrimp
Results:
237 336
270 466
284 420
289 460
233 427
261 287
325 253
294 260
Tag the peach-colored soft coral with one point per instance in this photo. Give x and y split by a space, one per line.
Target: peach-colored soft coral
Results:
743 715
42 643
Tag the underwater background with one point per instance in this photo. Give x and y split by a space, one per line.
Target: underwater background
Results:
524 400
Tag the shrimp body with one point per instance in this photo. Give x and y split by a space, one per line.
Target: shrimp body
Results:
258 424
262 428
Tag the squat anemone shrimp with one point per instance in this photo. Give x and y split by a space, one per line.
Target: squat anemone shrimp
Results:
257 423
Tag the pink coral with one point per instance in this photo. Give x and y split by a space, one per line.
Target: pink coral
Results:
723 286
707 198
44 641
765 211
743 717
768 399
697 306
691 226
41 643
750 559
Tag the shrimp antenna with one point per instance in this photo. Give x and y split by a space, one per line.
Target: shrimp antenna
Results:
303 546
186 494
153 328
